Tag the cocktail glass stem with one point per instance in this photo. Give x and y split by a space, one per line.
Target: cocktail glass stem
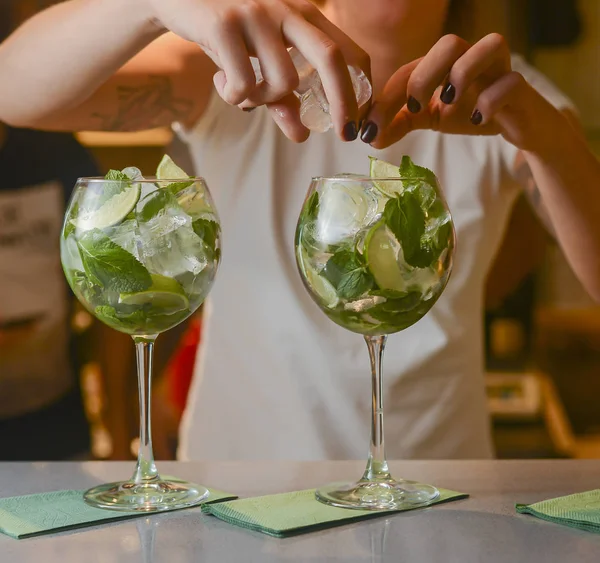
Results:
377 489
145 471
377 467
146 491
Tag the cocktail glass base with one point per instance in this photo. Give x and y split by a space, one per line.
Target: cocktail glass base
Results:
151 496
378 495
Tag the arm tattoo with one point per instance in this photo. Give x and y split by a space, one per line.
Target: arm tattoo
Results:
524 176
146 106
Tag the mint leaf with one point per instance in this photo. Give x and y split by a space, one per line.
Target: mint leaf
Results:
401 312
208 231
109 266
84 285
434 241
131 321
424 192
409 170
310 210
156 202
177 187
388 293
115 183
117 176
69 226
406 219
348 273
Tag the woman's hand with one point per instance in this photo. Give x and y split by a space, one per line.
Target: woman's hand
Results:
463 89
230 31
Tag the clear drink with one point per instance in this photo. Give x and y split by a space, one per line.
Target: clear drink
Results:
141 255
375 254
149 271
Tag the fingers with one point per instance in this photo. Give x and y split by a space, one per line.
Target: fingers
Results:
327 58
433 69
238 80
280 77
354 55
502 93
286 114
461 72
388 104
489 57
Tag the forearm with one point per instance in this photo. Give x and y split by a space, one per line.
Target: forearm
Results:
567 175
61 56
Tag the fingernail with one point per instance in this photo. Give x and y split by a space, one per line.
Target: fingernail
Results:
448 93
248 110
369 132
350 131
476 118
413 105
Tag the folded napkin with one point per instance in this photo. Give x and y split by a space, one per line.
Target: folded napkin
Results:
581 510
45 513
294 513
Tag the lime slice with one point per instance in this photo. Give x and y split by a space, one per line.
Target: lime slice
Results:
165 295
112 212
168 170
382 169
382 258
318 283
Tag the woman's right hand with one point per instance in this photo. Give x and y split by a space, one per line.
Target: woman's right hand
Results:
230 31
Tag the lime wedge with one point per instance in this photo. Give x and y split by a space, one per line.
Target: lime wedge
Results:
168 170
112 212
382 169
318 283
382 258
165 295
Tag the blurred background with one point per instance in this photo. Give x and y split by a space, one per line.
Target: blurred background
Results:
542 331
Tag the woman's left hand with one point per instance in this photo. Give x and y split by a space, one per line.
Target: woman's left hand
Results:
462 89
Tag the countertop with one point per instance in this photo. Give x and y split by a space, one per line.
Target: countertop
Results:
483 528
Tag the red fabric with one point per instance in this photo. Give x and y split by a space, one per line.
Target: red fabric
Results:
181 366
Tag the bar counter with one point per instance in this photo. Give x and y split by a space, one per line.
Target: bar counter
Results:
483 528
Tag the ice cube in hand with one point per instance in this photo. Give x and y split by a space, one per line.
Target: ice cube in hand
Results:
314 106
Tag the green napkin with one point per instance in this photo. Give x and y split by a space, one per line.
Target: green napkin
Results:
45 513
581 510
288 514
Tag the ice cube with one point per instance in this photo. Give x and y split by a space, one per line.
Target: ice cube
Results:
70 256
169 216
315 248
127 236
174 254
312 114
314 106
362 86
133 173
168 244
344 210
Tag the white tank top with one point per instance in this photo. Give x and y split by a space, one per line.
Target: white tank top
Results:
274 377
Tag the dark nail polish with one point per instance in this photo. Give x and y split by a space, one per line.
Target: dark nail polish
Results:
248 110
413 105
476 118
369 133
448 93
350 131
